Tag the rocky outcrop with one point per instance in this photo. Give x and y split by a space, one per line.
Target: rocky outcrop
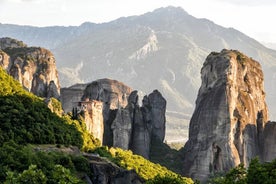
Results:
4 60
269 142
155 104
148 122
93 117
113 94
227 125
125 124
33 67
107 173
122 128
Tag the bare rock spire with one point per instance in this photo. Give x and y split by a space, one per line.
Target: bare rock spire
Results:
226 126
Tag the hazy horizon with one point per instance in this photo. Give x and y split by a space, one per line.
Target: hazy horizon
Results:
250 17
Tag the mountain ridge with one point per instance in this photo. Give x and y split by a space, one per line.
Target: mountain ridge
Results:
182 42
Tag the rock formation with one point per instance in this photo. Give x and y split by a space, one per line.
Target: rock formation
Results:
71 96
93 116
106 172
227 125
33 67
155 104
122 128
269 142
4 60
113 94
125 124
148 122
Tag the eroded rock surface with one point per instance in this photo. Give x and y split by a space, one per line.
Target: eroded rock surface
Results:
126 124
33 67
113 94
226 127
93 117
269 142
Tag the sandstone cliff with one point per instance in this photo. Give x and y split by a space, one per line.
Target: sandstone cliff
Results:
124 123
227 125
33 67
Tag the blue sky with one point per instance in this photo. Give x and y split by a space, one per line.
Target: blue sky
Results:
252 17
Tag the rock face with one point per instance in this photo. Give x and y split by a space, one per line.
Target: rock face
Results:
71 95
227 125
4 60
122 127
33 67
269 142
125 124
108 173
93 117
113 94
148 122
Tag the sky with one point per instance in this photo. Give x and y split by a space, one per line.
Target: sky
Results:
252 17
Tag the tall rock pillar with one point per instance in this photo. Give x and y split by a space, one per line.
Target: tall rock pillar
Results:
230 111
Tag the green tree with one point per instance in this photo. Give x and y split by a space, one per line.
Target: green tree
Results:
29 176
61 175
236 175
259 173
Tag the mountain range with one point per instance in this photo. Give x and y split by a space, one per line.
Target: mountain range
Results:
163 49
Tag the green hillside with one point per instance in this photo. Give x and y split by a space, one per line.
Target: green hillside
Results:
24 118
